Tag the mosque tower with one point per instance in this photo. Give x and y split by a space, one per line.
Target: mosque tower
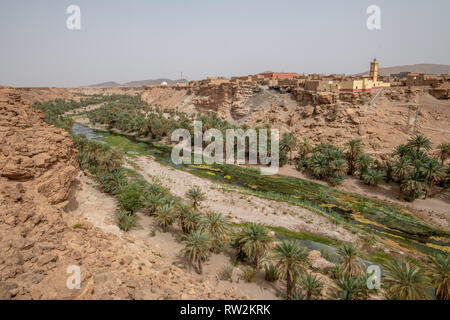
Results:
374 70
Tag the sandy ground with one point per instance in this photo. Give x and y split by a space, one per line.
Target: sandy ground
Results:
242 207
432 210
99 209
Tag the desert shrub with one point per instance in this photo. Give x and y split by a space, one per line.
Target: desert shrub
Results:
130 198
227 272
334 272
168 200
151 203
156 189
298 295
125 220
248 273
272 273
112 182
165 217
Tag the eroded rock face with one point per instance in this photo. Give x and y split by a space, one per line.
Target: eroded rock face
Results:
440 93
30 148
317 261
38 241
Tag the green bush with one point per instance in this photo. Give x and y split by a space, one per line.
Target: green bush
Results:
248 273
112 182
125 220
227 272
130 198
152 203
165 217
272 274
373 177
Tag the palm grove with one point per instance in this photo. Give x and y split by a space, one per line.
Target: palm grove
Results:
410 165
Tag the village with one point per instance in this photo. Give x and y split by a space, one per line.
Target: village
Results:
437 85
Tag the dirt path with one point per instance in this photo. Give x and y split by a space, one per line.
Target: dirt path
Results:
241 207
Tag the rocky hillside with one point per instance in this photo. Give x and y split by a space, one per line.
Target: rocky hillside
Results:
39 240
322 117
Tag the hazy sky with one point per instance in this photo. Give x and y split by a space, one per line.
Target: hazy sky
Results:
123 40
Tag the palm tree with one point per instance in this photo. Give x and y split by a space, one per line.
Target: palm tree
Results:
373 177
152 202
400 151
197 246
388 168
318 165
363 163
414 185
444 151
349 288
196 195
349 260
253 241
312 285
439 271
183 209
434 172
109 160
288 143
191 221
165 216
304 147
218 227
354 151
406 281
289 257
338 167
419 142
402 169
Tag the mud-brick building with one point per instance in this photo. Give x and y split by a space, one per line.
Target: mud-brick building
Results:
278 75
416 79
321 85
365 83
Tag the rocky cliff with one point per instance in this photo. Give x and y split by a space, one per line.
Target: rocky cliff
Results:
39 241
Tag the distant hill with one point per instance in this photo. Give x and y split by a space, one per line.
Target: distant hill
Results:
415 68
138 83
106 84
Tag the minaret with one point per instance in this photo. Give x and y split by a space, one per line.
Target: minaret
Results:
374 70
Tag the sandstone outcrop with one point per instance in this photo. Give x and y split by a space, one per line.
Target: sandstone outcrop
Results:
317 261
39 241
